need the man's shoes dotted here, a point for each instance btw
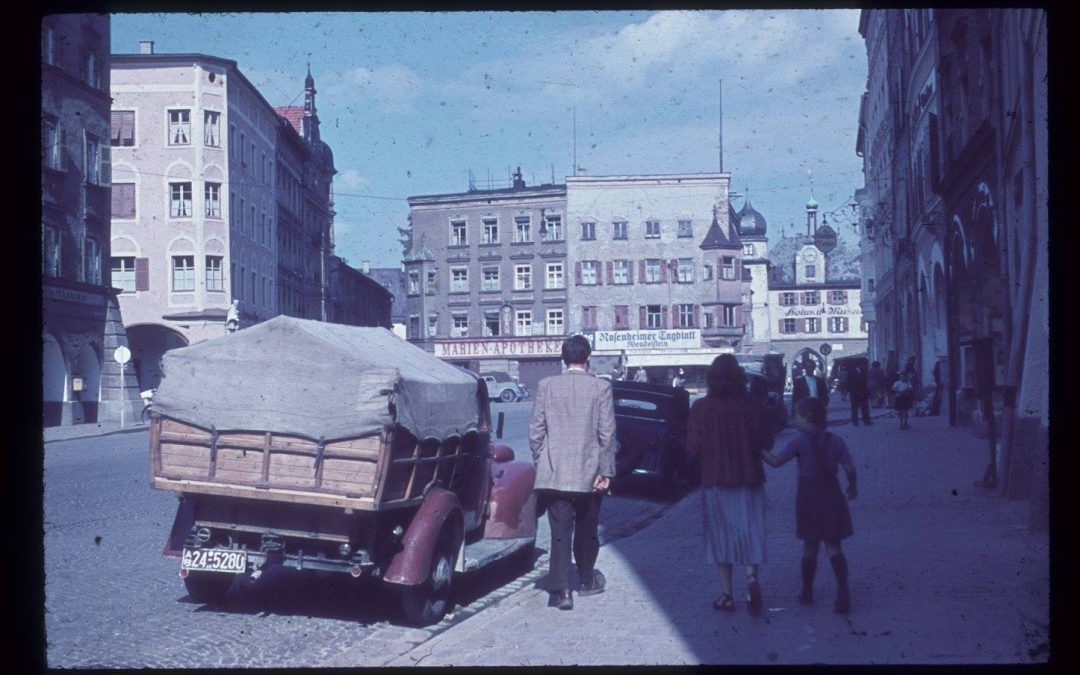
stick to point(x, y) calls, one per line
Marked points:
point(597, 585)
point(562, 600)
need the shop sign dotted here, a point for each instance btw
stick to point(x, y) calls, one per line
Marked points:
point(615, 340)
point(821, 310)
point(499, 348)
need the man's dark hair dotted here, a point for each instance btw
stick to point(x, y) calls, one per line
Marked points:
point(726, 377)
point(575, 349)
point(812, 409)
point(809, 366)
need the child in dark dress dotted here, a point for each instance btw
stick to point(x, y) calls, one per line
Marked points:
point(821, 513)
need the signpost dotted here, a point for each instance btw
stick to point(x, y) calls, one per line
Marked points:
point(122, 355)
point(825, 350)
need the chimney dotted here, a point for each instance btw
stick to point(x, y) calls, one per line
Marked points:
point(519, 182)
point(365, 267)
point(146, 46)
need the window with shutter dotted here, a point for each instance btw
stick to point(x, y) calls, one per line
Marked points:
point(577, 273)
point(643, 317)
point(142, 274)
point(122, 128)
point(610, 272)
point(123, 200)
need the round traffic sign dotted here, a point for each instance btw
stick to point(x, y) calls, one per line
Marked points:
point(121, 354)
point(825, 349)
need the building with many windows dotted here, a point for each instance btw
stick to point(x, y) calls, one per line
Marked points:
point(81, 325)
point(656, 268)
point(487, 278)
point(219, 198)
point(814, 297)
point(954, 143)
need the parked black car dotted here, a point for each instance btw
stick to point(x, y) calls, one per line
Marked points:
point(650, 426)
point(758, 386)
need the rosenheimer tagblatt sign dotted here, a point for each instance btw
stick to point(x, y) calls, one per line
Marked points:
point(629, 340)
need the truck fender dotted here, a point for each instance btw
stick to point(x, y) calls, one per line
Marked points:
point(512, 506)
point(185, 518)
point(412, 564)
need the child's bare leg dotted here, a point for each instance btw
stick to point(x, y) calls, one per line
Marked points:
point(725, 577)
point(840, 569)
point(808, 566)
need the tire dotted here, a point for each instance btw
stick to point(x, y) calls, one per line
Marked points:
point(507, 396)
point(428, 602)
point(208, 587)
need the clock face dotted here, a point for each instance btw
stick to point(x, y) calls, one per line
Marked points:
point(809, 256)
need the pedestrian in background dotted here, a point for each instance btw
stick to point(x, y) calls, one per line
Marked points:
point(912, 371)
point(572, 436)
point(809, 385)
point(859, 391)
point(891, 378)
point(821, 512)
point(726, 431)
point(641, 375)
point(843, 381)
point(904, 396)
point(875, 382)
point(935, 403)
point(679, 379)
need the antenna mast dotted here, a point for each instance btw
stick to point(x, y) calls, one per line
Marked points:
point(720, 121)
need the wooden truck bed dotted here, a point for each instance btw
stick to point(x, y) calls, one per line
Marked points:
point(374, 472)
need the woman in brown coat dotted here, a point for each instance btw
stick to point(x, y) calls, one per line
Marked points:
point(726, 432)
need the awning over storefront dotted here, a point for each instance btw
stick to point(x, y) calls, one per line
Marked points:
point(688, 358)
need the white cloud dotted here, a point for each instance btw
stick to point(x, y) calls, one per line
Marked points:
point(392, 88)
point(351, 180)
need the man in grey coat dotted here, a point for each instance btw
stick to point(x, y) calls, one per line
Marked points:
point(572, 436)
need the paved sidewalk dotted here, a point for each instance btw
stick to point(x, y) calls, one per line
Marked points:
point(941, 572)
point(89, 430)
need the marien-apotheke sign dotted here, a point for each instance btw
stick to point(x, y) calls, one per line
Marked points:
point(629, 340)
point(500, 348)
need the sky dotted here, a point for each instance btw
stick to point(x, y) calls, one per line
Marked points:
point(411, 102)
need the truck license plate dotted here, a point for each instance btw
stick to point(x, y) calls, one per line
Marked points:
point(214, 560)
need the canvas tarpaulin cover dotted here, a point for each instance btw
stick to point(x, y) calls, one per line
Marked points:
point(311, 378)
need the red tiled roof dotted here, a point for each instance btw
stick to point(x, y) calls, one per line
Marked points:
point(293, 114)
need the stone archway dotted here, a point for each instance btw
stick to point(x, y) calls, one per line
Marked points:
point(149, 342)
point(87, 368)
point(54, 381)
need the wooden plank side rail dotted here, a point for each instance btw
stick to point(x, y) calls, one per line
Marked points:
point(213, 452)
point(265, 477)
point(385, 471)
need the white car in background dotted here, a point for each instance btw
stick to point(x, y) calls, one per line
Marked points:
point(502, 387)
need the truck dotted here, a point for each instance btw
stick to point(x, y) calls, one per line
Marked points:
point(342, 449)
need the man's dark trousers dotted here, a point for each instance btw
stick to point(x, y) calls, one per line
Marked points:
point(577, 514)
point(860, 402)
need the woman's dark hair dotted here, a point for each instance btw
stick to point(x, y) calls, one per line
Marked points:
point(575, 349)
point(812, 409)
point(726, 377)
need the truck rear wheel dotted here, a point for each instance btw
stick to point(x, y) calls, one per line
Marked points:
point(208, 587)
point(428, 602)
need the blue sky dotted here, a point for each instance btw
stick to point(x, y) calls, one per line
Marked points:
point(410, 102)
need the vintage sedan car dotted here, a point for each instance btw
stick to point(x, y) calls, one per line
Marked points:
point(650, 426)
point(502, 387)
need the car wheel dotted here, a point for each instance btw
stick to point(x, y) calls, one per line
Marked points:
point(208, 587)
point(508, 395)
point(428, 602)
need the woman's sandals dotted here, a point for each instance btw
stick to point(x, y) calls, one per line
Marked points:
point(725, 603)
